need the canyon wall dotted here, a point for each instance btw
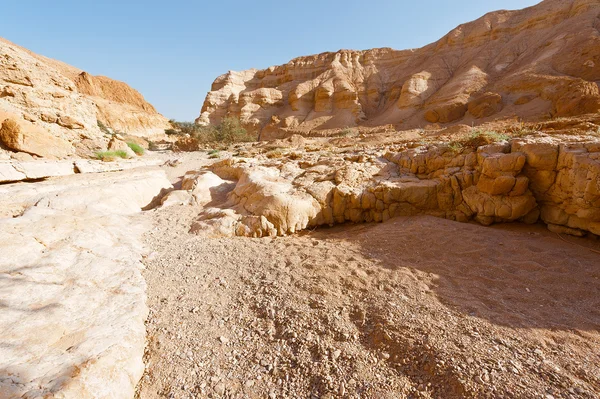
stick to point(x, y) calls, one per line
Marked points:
point(537, 63)
point(53, 104)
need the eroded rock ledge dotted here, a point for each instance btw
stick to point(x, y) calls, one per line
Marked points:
point(14, 171)
point(521, 180)
point(73, 298)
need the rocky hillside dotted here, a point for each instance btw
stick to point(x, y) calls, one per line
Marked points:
point(537, 63)
point(62, 105)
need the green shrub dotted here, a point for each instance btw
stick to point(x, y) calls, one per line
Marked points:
point(138, 149)
point(229, 131)
point(455, 146)
point(108, 156)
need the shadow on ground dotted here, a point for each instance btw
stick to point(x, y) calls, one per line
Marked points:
point(512, 275)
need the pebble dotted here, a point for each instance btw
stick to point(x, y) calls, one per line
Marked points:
point(220, 388)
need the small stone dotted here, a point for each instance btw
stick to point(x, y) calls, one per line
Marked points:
point(223, 340)
point(249, 383)
point(220, 388)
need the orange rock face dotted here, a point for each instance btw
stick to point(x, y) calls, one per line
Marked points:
point(66, 103)
point(536, 63)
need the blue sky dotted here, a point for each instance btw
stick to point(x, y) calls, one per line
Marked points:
point(171, 51)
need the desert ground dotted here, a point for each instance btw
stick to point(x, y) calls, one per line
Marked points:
point(414, 307)
point(381, 223)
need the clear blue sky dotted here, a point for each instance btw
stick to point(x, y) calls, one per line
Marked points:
point(171, 51)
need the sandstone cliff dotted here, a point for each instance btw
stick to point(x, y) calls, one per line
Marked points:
point(50, 99)
point(536, 63)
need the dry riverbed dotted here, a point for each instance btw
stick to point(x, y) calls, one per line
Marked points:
point(416, 307)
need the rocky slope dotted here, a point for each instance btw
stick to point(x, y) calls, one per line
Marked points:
point(56, 105)
point(536, 63)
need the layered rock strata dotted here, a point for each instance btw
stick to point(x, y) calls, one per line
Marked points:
point(53, 105)
point(535, 63)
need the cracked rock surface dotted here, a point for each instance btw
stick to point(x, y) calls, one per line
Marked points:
point(73, 298)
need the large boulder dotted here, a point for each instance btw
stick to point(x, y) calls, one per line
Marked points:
point(446, 113)
point(485, 105)
point(21, 135)
point(119, 145)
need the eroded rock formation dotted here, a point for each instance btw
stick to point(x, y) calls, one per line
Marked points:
point(524, 180)
point(540, 62)
point(47, 98)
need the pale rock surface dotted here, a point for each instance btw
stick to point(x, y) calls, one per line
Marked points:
point(92, 166)
point(176, 197)
point(522, 180)
point(73, 297)
point(8, 173)
point(44, 169)
point(539, 62)
point(13, 170)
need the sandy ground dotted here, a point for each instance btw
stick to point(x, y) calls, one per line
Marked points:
point(413, 308)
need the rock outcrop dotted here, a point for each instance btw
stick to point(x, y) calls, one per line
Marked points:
point(67, 104)
point(524, 179)
point(24, 136)
point(73, 297)
point(535, 63)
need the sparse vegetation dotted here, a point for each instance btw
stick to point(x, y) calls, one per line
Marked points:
point(229, 131)
point(348, 132)
point(276, 153)
point(103, 127)
point(109, 156)
point(455, 146)
point(522, 130)
point(138, 149)
point(483, 137)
